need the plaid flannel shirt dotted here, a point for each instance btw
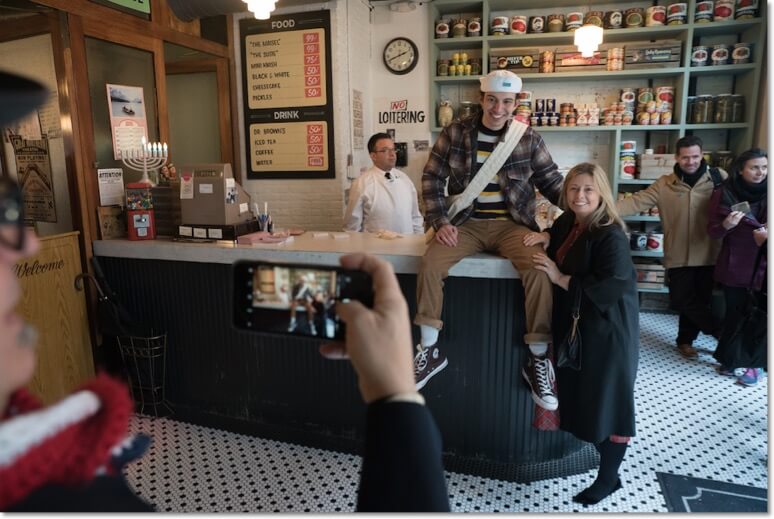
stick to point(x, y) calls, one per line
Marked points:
point(530, 166)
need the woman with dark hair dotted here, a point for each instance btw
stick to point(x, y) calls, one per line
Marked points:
point(588, 257)
point(744, 231)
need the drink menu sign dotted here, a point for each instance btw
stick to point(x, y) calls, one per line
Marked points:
point(287, 102)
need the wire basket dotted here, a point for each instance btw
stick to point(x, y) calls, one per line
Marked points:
point(144, 359)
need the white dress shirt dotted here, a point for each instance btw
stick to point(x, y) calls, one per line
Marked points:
point(376, 203)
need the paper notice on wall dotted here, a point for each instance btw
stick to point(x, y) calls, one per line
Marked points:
point(187, 185)
point(357, 119)
point(50, 118)
point(111, 186)
point(128, 122)
point(33, 168)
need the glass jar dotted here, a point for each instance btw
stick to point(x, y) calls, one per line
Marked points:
point(737, 108)
point(703, 110)
point(689, 109)
point(467, 109)
point(443, 67)
point(723, 107)
point(724, 159)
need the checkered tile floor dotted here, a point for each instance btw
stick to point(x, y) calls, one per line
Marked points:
point(691, 421)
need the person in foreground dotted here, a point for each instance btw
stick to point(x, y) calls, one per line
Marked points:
point(588, 253)
point(743, 234)
point(402, 466)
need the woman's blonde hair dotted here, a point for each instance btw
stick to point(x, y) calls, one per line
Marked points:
point(606, 213)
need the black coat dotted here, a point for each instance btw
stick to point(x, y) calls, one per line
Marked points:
point(598, 400)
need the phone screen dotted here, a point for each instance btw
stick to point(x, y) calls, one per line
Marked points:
point(743, 207)
point(296, 299)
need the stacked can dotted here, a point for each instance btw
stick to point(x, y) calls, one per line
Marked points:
point(704, 11)
point(567, 115)
point(655, 15)
point(545, 113)
point(655, 108)
point(665, 98)
point(724, 10)
point(720, 54)
point(499, 25)
point(524, 107)
point(616, 115)
point(573, 21)
point(547, 61)
point(615, 58)
point(627, 159)
point(746, 9)
point(677, 14)
point(741, 53)
point(519, 24)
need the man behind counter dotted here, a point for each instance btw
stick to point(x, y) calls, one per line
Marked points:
point(383, 198)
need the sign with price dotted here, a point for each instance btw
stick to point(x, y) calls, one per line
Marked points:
point(287, 96)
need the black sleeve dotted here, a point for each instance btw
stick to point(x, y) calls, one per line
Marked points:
point(102, 494)
point(402, 467)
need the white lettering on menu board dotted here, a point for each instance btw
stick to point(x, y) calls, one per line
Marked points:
point(278, 147)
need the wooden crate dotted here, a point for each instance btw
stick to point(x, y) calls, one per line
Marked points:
point(518, 60)
point(661, 54)
point(650, 275)
point(655, 165)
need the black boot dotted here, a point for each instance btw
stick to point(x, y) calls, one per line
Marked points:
point(610, 457)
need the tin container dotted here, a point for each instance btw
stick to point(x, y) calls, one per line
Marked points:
point(644, 95)
point(614, 19)
point(474, 26)
point(628, 97)
point(518, 24)
point(633, 17)
point(629, 146)
point(741, 53)
point(534, 120)
point(537, 24)
point(442, 29)
point(554, 120)
point(566, 108)
point(655, 118)
point(615, 58)
point(746, 9)
point(555, 22)
point(724, 10)
point(594, 18)
point(689, 101)
point(737, 108)
point(699, 56)
point(703, 110)
point(704, 11)
point(655, 15)
point(677, 14)
point(573, 21)
point(723, 108)
point(627, 117)
point(643, 118)
point(524, 97)
point(665, 95)
point(500, 25)
point(547, 62)
point(655, 242)
point(475, 67)
point(720, 54)
point(442, 68)
point(666, 117)
point(650, 107)
point(459, 28)
point(540, 105)
point(550, 104)
point(638, 241)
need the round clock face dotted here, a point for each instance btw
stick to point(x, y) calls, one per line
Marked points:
point(400, 56)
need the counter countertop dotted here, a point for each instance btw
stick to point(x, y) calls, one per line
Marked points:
point(404, 253)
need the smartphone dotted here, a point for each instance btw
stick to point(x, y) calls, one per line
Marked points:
point(741, 206)
point(294, 299)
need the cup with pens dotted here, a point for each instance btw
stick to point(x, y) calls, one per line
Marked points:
point(264, 219)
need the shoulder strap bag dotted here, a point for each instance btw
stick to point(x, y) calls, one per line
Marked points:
point(568, 352)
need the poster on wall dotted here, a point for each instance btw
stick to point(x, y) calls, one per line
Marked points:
point(402, 113)
point(33, 167)
point(128, 123)
point(357, 119)
point(286, 89)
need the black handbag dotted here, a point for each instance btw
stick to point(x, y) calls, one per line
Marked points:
point(568, 353)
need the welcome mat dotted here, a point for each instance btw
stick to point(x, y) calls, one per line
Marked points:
point(687, 494)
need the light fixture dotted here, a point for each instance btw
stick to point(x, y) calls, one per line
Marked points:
point(261, 9)
point(587, 39)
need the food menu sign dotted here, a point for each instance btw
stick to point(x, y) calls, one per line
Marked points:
point(287, 96)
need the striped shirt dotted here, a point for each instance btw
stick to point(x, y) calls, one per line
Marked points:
point(490, 204)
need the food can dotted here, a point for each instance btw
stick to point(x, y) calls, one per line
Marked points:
point(628, 167)
point(655, 118)
point(741, 53)
point(666, 117)
point(638, 240)
point(699, 56)
point(644, 95)
point(737, 108)
point(550, 104)
point(547, 61)
point(555, 22)
point(655, 242)
point(475, 67)
point(628, 97)
point(566, 108)
point(704, 10)
point(629, 146)
point(474, 26)
point(677, 14)
point(443, 67)
point(459, 28)
point(746, 9)
point(537, 24)
point(500, 25)
point(573, 21)
point(720, 54)
point(650, 107)
point(614, 19)
point(615, 58)
point(655, 15)
point(442, 29)
point(723, 108)
point(518, 24)
point(643, 118)
point(627, 116)
point(724, 10)
point(534, 120)
point(633, 17)
point(553, 120)
point(665, 94)
point(594, 18)
point(526, 96)
point(703, 110)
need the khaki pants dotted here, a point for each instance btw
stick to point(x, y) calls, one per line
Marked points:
point(504, 237)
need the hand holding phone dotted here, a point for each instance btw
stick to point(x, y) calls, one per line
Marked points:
point(378, 340)
point(742, 207)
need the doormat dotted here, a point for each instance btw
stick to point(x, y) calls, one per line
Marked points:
point(687, 494)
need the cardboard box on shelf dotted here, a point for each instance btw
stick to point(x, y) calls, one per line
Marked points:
point(654, 166)
point(650, 275)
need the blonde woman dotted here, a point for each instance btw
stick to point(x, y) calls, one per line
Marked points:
point(587, 251)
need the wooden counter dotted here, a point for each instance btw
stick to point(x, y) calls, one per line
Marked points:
point(280, 387)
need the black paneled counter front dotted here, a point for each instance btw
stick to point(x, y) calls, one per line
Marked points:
point(280, 387)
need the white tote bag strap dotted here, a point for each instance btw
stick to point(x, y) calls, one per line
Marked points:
point(488, 171)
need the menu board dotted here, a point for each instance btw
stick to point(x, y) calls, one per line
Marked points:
point(286, 83)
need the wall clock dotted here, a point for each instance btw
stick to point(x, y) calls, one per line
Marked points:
point(400, 55)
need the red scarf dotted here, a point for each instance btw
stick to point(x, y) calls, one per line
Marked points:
point(67, 443)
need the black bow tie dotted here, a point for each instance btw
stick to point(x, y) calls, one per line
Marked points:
point(388, 176)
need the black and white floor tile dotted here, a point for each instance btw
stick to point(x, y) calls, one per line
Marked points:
point(691, 421)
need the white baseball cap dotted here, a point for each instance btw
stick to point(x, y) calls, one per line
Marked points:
point(501, 81)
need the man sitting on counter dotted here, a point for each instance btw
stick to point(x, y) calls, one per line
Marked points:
point(383, 198)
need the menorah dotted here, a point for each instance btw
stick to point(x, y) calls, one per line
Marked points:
point(152, 155)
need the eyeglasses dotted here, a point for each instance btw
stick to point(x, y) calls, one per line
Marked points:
point(12, 230)
point(385, 150)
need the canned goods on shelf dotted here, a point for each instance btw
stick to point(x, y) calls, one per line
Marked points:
point(614, 19)
point(720, 54)
point(573, 21)
point(643, 118)
point(746, 9)
point(547, 63)
point(500, 25)
point(537, 24)
point(704, 11)
point(741, 53)
point(644, 95)
point(677, 14)
point(723, 108)
point(459, 28)
point(443, 67)
point(633, 17)
point(628, 96)
point(655, 15)
point(594, 18)
point(518, 24)
point(629, 146)
point(474, 26)
point(724, 10)
point(555, 22)
point(550, 104)
point(699, 56)
point(666, 117)
point(540, 105)
point(442, 29)
point(703, 110)
point(737, 108)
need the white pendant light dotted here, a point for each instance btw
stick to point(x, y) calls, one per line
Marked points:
point(261, 9)
point(587, 39)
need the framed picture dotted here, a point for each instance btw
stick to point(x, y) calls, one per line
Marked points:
point(112, 221)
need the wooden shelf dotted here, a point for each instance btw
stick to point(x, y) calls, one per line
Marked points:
point(635, 181)
point(664, 290)
point(469, 42)
point(730, 27)
point(566, 38)
point(647, 254)
point(642, 219)
point(711, 126)
point(732, 70)
point(604, 75)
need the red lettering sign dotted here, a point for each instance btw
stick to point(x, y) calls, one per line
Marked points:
point(313, 129)
point(311, 37)
point(315, 149)
point(311, 70)
point(314, 139)
point(311, 48)
point(312, 80)
point(312, 92)
point(315, 161)
point(399, 105)
point(313, 59)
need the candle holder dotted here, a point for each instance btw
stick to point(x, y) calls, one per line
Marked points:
point(152, 155)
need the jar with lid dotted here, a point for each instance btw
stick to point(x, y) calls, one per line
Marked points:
point(467, 109)
point(737, 108)
point(723, 107)
point(689, 108)
point(703, 110)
